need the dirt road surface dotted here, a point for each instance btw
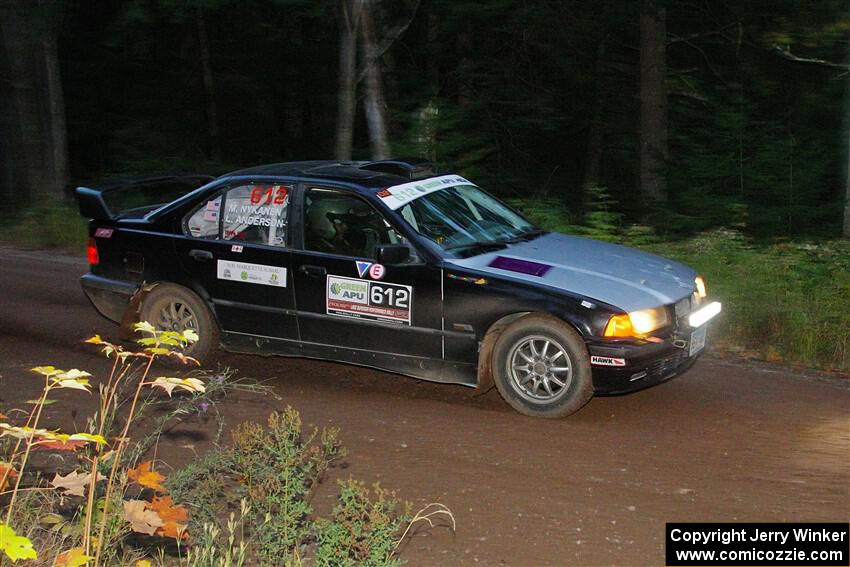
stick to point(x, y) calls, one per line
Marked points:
point(725, 442)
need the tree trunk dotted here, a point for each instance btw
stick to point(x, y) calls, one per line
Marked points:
point(846, 230)
point(653, 103)
point(215, 152)
point(56, 103)
point(349, 21)
point(465, 94)
point(25, 55)
point(595, 139)
point(374, 103)
point(293, 96)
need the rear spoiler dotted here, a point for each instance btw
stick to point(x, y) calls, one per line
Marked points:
point(92, 200)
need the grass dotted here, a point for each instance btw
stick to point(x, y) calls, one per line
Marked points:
point(784, 302)
point(58, 227)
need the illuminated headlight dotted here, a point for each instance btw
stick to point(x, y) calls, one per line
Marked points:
point(704, 315)
point(647, 320)
point(702, 291)
point(636, 323)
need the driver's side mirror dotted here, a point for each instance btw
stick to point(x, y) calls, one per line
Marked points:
point(391, 254)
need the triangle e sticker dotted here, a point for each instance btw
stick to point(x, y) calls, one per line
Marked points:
point(362, 267)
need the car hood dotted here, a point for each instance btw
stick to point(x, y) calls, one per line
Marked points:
point(623, 277)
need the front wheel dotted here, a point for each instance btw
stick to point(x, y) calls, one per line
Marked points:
point(541, 367)
point(170, 307)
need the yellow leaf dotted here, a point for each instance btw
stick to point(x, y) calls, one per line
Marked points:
point(14, 546)
point(47, 370)
point(143, 563)
point(189, 384)
point(71, 383)
point(143, 327)
point(158, 350)
point(98, 439)
point(73, 374)
point(75, 557)
point(144, 476)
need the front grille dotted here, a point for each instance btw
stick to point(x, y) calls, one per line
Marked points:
point(664, 366)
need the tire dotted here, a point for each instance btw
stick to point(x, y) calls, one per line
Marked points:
point(171, 307)
point(541, 367)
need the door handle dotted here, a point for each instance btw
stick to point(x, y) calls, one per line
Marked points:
point(312, 271)
point(201, 255)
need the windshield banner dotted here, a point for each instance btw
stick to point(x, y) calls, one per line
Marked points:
point(397, 196)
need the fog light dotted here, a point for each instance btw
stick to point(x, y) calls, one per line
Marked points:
point(704, 315)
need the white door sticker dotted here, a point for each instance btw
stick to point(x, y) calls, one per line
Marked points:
point(366, 299)
point(251, 273)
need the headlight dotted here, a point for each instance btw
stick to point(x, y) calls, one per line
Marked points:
point(702, 291)
point(647, 320)
point(636, 323)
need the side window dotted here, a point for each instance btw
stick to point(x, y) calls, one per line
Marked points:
point(204, 222)
point(248, 213)
point(340, 223)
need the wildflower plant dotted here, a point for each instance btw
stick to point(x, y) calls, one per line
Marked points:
point(99, 450)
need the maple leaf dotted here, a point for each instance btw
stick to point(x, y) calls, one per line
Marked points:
point(175, 518)
point(7, 472)
point(141, 519)
point(14, 546)
point(74, 482)
point(75, 557)
point(144, 476)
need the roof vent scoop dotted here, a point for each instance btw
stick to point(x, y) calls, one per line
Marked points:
point(413, 168)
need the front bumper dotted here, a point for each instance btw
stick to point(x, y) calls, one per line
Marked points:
point(621, 366)
point(645, 365)
point(110, 297)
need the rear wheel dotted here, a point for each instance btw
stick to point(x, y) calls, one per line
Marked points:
point(170, 307)
point(541, 367)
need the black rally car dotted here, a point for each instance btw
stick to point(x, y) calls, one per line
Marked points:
point(390, 265)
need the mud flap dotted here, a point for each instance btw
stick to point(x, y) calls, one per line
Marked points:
point(133, 312)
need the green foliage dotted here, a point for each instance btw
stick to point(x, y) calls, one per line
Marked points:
point(270, 474)
point(363, 530)
point(783, 302)
point(59, 226)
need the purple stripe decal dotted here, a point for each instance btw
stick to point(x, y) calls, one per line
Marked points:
point(521, 266)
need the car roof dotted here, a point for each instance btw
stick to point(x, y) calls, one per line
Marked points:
point(366, 174)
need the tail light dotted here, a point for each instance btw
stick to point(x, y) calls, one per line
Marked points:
point(91, 253)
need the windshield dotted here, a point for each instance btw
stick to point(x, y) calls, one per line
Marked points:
point(466, 220)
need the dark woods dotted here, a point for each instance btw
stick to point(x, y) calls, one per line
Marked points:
point(681, 115)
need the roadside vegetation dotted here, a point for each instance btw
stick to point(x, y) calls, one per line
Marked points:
point(246, 502)
point(783, 301)
point(58, 227)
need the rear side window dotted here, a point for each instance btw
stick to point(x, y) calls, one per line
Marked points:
point(257, 214)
